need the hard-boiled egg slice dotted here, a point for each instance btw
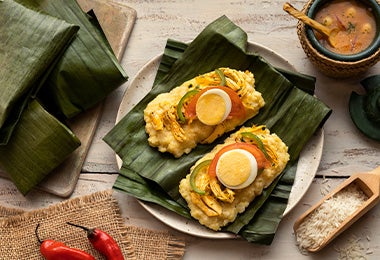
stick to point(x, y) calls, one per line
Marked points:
point(213, 106)
point(236, 169)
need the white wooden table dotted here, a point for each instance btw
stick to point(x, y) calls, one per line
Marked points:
point(345, 150)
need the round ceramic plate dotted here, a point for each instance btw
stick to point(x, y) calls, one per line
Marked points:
point(307, 165)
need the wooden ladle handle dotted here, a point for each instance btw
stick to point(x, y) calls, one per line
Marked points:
point(307, 20)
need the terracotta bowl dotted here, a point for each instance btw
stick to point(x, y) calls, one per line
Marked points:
point(333, 64)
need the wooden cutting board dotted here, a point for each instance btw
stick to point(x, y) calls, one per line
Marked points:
point(117, 22)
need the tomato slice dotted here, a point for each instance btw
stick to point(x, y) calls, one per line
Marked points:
point(237, 109)
point(262, 161)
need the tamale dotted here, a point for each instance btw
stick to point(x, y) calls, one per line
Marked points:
point(38, 145)
point(31, 43)
point(91, 75)
point(88, 70)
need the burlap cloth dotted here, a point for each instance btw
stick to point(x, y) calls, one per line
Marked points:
point(18, 240)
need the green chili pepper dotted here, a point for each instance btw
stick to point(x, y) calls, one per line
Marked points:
point(185, 97)
point(257, 141)
point(194, 175)
point(221, 76)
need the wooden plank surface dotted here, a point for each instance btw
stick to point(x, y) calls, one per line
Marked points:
point(345, 149)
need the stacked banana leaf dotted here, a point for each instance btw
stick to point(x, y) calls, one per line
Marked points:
point(55, 63)
point(291, 111)
point(365, 109)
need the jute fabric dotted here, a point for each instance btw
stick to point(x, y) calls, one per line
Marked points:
point(100, 210)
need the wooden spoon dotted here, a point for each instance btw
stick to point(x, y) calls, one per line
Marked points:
point(369, 183)
point(327, 32)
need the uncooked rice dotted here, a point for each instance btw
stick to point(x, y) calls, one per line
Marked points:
point(328, 216)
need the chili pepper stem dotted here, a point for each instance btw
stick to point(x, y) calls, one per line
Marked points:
point(36, 232)
point(102, 242)
point(90, 231)
point(79, 226)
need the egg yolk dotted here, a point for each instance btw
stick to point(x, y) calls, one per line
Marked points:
point(236, 169)
point(213, 107)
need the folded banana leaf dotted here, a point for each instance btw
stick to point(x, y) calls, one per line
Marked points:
point(290, 112)
point(38, 145)
point(73, 76)
point(365, 109)
point(88, 71)
point(31, 44)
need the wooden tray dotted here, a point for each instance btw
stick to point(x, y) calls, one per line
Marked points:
point(117, 21)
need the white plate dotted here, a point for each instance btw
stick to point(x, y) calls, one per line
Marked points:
point(307, 166)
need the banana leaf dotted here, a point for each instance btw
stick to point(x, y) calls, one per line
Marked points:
point(259, 222)
point(31, 43)
point(174, 49)
point(365, 109)
point(88, 70)
point(38, 144)
point(290, 112)
point(148, 191)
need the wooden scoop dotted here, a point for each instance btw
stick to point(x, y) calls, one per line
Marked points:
point(369, 183)
point(327, 32)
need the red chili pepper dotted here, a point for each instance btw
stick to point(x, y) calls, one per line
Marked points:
point(55, 250)
point(102, 242)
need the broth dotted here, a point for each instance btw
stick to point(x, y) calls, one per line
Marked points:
point(356, 23)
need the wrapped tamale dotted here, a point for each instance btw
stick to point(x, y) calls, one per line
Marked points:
point(38, 145)
point(66, 77)
point(88, 71)
point(31, 43)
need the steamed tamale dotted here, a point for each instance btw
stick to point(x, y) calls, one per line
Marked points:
point(31, 43)
point(38, 145)
point(86, 68)
point(88, 71)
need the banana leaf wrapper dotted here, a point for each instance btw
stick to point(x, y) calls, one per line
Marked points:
point(38, 145)
point(88, 70)
point(31, 44)
point(290, 112)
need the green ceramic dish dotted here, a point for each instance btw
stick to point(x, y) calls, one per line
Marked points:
point(314, 8)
